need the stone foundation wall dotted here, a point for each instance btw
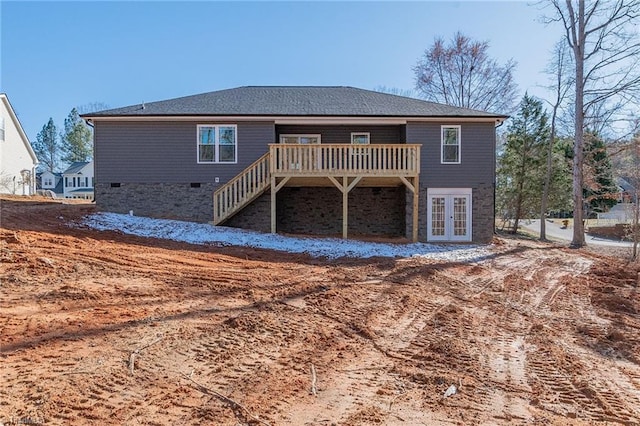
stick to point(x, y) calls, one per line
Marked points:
point(620, 231)
point(483, 222)
point(318, 211)
point(314, 211)
point(165, 201)
point(256, 216)
point(483, 214)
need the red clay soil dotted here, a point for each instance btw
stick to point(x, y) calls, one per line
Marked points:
point(104, 328)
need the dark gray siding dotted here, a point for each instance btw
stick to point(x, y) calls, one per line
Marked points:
point(476, 171)
point(477, 160)
point(342, 134)
point(164, 152)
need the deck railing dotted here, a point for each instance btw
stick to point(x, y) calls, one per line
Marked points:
point(322, 160)
point(241, 190)
point(340, 159)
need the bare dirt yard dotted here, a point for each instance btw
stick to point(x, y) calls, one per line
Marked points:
point(105, 328)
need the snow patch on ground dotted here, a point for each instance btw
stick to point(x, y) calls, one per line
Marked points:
point(332, 248)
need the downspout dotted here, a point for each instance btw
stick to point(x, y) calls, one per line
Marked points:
point(32, 184)
point(93, 157)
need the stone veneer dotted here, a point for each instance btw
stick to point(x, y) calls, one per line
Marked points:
point(483, 222)
point(318, 211)
point(160, 200)
point(372, 211)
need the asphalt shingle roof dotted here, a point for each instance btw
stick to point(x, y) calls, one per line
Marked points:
point(75, 167)
point(294, 101)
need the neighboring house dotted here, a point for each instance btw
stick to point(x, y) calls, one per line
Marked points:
point(622, 213)
point(627, 192)
point(50, 181)
point(78, 180)
point(18, 161)
point(305, 160)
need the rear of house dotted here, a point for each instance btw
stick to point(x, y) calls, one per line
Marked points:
point(304, 160)
point(78, 181)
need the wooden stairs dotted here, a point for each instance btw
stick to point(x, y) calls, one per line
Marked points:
point(234, 195)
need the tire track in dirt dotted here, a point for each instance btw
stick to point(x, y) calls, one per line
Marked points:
point(516, 300)
point(528, 336)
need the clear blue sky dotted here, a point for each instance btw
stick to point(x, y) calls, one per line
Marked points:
point(58, 55)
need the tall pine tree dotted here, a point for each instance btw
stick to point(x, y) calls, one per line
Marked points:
point(520, 170)
point(599, 190)
point(77, 139)
point(47, 146)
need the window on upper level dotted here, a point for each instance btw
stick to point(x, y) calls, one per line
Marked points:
point(217, 143)
point(361, 138)
point(450, 143)
point(301, 139)
point(1, 128)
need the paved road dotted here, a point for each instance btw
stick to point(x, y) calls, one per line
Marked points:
point(555, 232)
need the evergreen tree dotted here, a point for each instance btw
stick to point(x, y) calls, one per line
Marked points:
point(521, 171)
point(47, 146)
point(599, 190)
point(77, 139)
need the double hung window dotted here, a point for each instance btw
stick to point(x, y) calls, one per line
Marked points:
point(217, 143)
point(450, 152)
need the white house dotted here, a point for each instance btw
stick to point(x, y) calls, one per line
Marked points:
point(78, 180)
point(18, 161)
point(50, 181)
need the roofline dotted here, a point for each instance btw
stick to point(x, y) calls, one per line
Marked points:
point(18, 125)
point(300, 119)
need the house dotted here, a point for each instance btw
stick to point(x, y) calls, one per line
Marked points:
point(306, 160)
point(50, 181)
point(78, 181)
point(18, 161)
point(627, 192)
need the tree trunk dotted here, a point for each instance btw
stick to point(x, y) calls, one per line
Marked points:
point(518, 211)
point(636, 226)
point(578, 150)
point(521, 176)
point(547, 178)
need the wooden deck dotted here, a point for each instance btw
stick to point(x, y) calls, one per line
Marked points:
point(344, 166)
point(381, 160)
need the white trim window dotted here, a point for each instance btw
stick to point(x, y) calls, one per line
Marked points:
point(360, 138)
point(450, 144)
point(301, 139)
point(217, 143)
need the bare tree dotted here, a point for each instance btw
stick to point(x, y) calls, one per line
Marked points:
point(606, 52)
point(559, 68)
point(463, 74)
point(629, 169)
point(407, 93)
point(635, 224)
point(92, 107)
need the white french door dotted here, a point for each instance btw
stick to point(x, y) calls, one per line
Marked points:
point(449, 214)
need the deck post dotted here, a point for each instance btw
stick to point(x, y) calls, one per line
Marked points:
point(274, 191)
point(416, 205)
point(345, 206)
